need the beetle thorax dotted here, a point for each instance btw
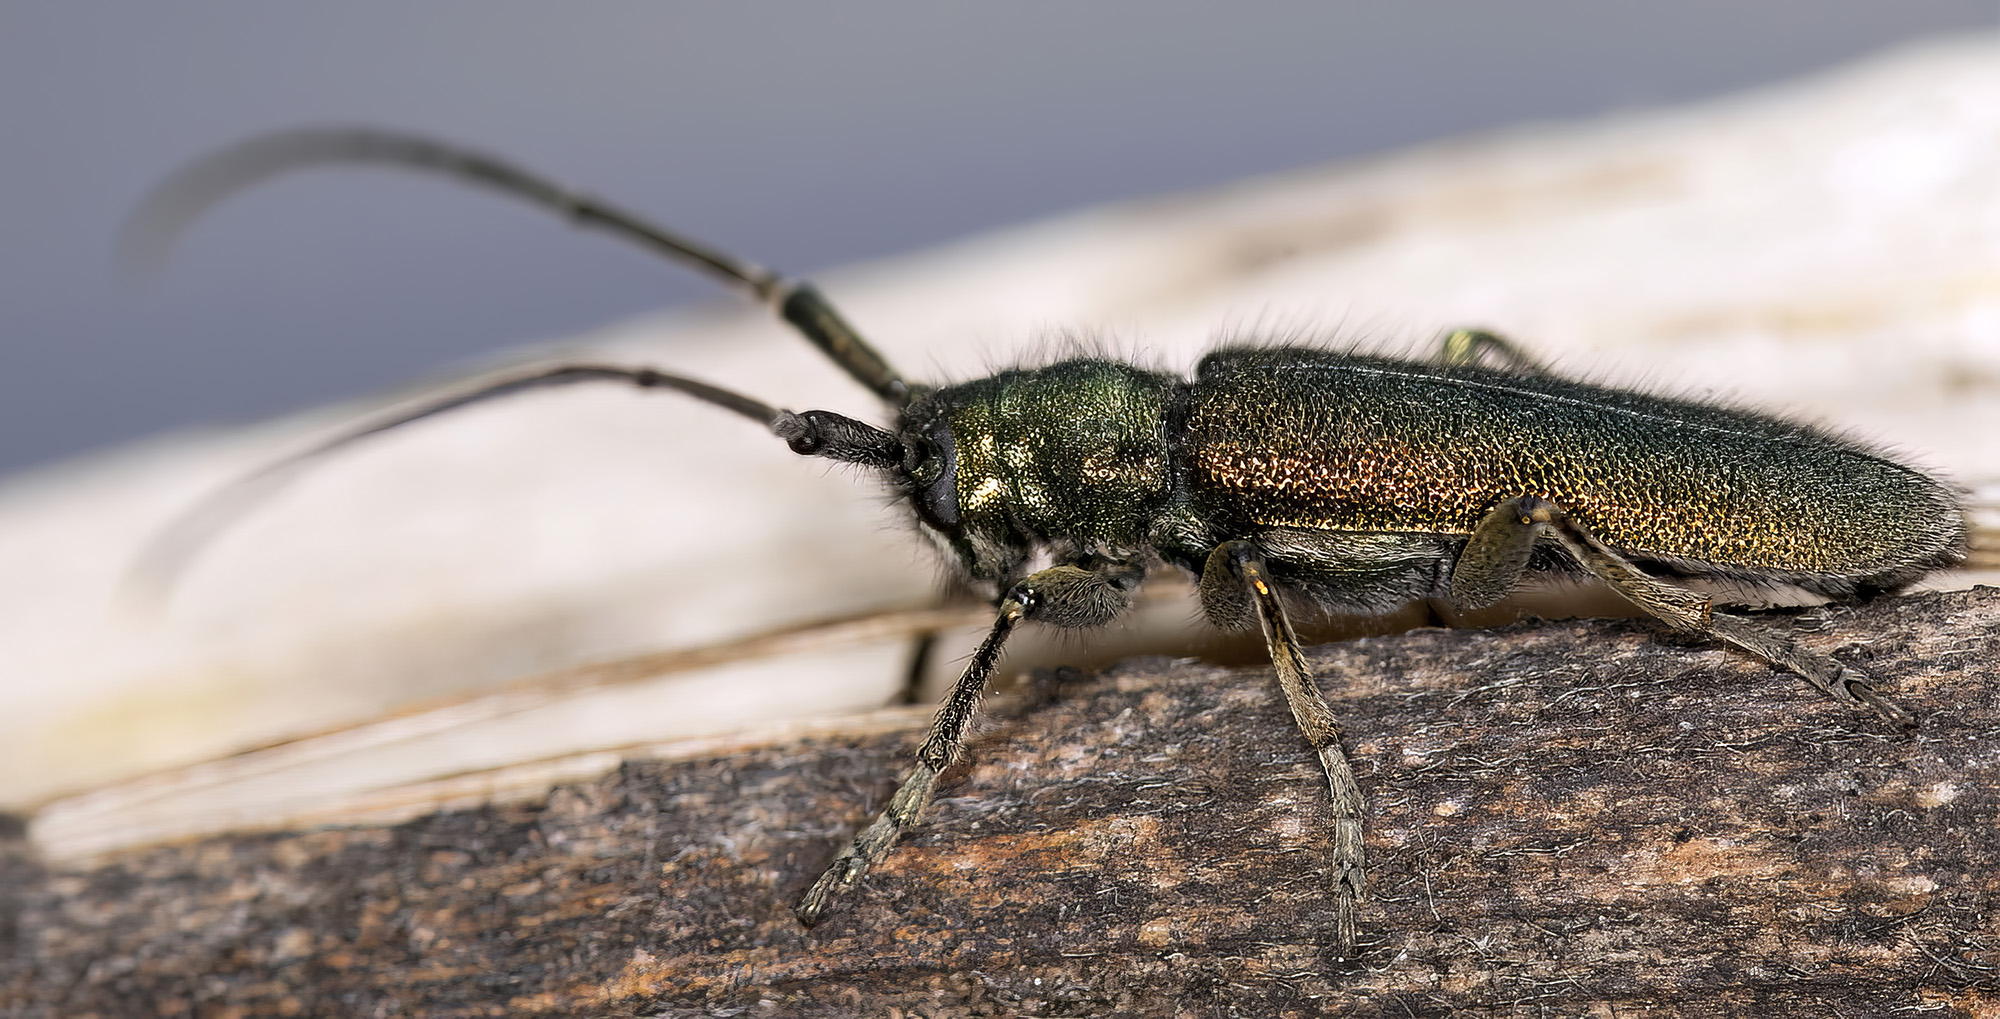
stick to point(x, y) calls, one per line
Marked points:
point(1067, 458)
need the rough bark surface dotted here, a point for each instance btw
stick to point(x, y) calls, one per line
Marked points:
point(1578, 818)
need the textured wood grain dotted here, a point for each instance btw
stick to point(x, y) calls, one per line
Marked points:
point(1576, 818)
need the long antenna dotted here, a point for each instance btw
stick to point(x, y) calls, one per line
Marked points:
point(165, 556)
point(820, 433)
point(183, 197)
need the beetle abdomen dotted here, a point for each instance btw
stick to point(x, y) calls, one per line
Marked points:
point(1286, 437)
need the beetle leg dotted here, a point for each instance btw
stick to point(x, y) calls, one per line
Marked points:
point(1844, 684)
point(1243, 561)
point(1472, 346)
point(918, 668)
point(1066, 595)
point(1496, 554)
point(1225, 595)
point(940, 749)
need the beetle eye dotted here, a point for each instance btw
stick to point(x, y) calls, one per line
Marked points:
point(934, 467)
point(923, 463)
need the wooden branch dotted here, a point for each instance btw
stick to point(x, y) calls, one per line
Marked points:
point(1582, 816)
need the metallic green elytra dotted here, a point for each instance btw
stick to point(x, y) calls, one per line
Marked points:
point(1281, 477)
point(1316, 441)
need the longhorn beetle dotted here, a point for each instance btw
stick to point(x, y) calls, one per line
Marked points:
point(1275, 474)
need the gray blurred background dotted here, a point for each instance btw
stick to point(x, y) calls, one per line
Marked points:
point(800, 135)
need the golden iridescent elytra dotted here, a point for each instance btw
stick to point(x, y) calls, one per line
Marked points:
point(1308, 439)
point(1282, 477)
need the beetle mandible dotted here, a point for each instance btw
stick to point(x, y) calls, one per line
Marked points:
point(1338, 481)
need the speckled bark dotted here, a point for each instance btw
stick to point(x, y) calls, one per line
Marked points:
point(1565, 819)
